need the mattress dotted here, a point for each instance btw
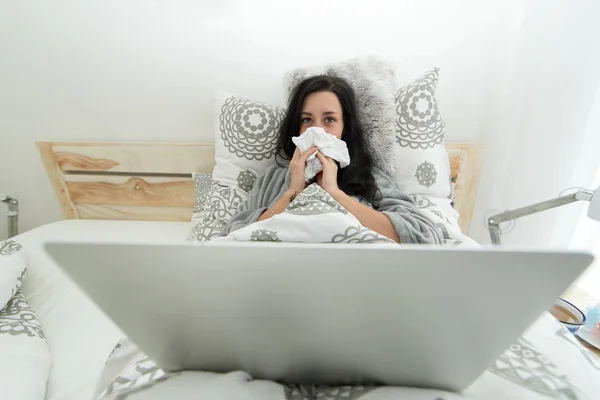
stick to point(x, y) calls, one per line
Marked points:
point(80, 336)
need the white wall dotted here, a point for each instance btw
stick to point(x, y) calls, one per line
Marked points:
point(144, 71)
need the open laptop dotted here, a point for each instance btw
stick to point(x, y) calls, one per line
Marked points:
point(321, 314)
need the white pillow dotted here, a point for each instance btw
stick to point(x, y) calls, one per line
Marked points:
point(24, 353)
point(246, 134)
point(423, 165)
point(214, 210)
point(12, 270)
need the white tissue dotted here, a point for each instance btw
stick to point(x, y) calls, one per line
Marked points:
point(328, 145)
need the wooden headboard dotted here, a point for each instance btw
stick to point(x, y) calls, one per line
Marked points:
point(152, 181)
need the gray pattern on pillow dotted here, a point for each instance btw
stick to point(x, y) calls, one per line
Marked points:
point(249, 128)
point(245, 133)
point(419, 124)
point(423, 166)
point(219, 206)
point(17, 318)
point(9, 247)
point(13, 267)
point(202, 185)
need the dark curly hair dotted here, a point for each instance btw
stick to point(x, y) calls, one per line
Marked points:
point(357, 178)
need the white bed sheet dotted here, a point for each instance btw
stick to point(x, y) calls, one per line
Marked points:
point(80, 336)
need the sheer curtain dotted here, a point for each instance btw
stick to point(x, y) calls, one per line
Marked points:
point(544, 134)
point(587, 237)
point(573, 223)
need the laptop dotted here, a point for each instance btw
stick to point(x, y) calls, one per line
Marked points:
point(330, 314)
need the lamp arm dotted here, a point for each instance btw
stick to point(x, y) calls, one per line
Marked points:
point(495, 220)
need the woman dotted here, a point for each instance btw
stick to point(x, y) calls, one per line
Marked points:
point(365, 191)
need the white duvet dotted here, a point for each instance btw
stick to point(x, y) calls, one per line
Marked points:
point(315, 217)
point(546, 362)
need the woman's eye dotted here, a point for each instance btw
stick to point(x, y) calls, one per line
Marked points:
point(329, 120)
point(306, 120)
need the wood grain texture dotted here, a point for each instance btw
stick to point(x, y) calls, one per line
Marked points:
point(78, 162)
point(122, 178)
point(133, 191)
point(455, 156)
point(465, 159)
point(137, 213)
point(163, 158)
point(151, 182)
point(56, 180)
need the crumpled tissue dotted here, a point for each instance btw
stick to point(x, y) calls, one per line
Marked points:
point(328, 145)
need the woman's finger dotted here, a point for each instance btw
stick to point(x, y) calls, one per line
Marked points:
point(325, 158)
point(322, 158)
point(308, 153)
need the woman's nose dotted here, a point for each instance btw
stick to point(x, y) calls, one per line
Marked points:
point(319, 124)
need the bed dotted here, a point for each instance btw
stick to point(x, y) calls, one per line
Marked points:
point(144, 192)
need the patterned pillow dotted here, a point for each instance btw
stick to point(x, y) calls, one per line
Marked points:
point(441, 208)
point(215, 209)
point(245, 139)
point(24, 352)
point(423, 166)
point(373, 81)
point(12, 270)
point(202, 185)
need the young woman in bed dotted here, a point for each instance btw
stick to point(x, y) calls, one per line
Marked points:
point(365, 191)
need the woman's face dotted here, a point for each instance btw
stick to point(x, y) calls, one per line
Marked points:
point(323, 110)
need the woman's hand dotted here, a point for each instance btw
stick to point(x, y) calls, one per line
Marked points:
point(297, 166)
point(327, 179)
